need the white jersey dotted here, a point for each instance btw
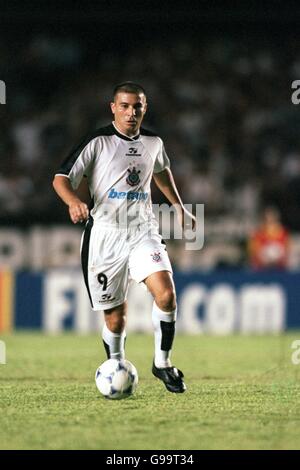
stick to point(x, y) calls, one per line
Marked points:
point(119, 171)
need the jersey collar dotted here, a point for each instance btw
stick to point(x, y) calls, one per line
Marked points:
point(124, 136)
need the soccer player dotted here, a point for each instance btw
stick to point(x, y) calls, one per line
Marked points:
point(119, 162)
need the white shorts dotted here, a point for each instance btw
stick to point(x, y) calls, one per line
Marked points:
point(112, 256)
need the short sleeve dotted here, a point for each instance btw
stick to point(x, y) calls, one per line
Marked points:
point(78, 163)
point(162, 160)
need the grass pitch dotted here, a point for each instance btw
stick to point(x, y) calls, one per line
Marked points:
point(243, 393)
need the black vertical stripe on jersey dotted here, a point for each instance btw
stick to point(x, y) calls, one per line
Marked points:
point(85, 255)
point(91, 204)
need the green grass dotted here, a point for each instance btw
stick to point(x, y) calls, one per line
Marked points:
point(243, 393)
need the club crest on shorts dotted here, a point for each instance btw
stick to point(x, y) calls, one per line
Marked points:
point(133, 178)
point(156, 256)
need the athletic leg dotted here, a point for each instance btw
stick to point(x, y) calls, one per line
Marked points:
point(161, 286)
point(113, 333)
point(149, 263)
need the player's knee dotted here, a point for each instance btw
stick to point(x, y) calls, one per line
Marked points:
point(166, 300)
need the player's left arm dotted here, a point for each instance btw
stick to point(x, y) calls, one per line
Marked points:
point(164, 180)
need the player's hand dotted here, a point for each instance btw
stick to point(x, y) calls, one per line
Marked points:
point(79, 212)
point(186, 219)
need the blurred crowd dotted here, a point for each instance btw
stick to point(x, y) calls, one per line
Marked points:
point(223, 107)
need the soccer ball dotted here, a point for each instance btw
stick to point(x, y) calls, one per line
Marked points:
point(116, 379)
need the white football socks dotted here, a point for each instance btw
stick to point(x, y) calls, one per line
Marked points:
point(114, 343)
point(164, 331)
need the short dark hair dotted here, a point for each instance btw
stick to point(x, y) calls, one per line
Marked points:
point(129, 87)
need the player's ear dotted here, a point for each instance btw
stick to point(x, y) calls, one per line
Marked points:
point(113, 107)
point(145, 108)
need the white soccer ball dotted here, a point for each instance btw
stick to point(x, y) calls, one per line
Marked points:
point(116, 379)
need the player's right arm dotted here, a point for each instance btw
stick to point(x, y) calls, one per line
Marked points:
point(78, 210)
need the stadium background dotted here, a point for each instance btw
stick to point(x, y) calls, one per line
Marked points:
point(219, 92)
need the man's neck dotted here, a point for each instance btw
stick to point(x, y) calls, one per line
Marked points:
point(130, 135)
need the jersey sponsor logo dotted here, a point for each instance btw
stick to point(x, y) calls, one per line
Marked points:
point(133, 151)
point(131, 195)
point(133, 178)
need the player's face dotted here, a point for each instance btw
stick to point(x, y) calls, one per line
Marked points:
point(129, 110)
